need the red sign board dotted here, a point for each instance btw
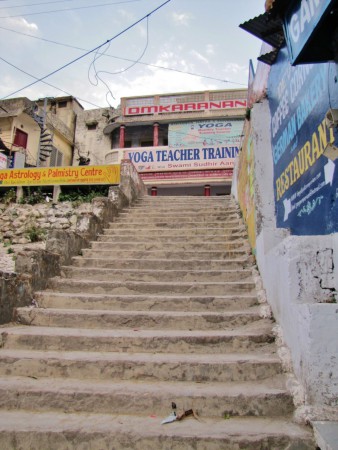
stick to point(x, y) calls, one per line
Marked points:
point(185, 107)
point(187, 175)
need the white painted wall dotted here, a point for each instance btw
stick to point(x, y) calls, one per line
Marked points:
point(298, 273)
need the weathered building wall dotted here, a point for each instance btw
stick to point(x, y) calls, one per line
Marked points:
point(243, 185)
point(90, 141)
point(16, 117)
point(299, 271)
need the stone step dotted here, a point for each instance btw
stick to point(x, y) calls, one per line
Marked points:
point(160, 320)
point(172, 210)
point(195, 368)
point(106, 274)
point(178, 218)
point(41, 431)
point(50, 299)
point(144, 399)
point(162, 264)
point(255, 337)
point(115, 246)
point(133, 287)
point(171, 233)
point(184, 199)
point(163, 224)
point(128, 236)
point(166, 254)
point(184, 202)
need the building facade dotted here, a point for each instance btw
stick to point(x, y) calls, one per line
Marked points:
point(180, 142)
point(287, 185)
point(38, 133)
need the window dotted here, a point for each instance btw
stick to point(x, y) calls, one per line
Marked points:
point(147, 143)
point(91, 126)
point(56, 158)
point(20, 139)
point(62, 104)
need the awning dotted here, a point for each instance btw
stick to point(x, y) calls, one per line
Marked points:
point(111, 127)
point(269, 58)
point(266, 28)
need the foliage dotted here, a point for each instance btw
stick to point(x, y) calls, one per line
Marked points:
point(10, 250)
point(9, 196)
point(82, 195)
point(33, 197)
point(35, 234)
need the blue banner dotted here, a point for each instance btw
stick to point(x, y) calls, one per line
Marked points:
point(300, 22)
point(304, 146)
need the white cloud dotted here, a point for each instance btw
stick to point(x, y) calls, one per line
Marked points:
point(210, 49)
point(126, 14)
point(181, 19)
point(22, 24)
point(234, 68)
point(199, 56)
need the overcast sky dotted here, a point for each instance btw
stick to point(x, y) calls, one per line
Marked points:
point(201, 37)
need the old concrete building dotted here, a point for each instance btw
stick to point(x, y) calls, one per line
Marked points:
point(180, 142)
point(60, 116)
point(91, 144)
point(19, 132)
point(38, 133)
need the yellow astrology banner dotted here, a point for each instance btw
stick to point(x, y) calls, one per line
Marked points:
point(47, 176)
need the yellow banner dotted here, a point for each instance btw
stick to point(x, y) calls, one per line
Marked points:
point(48, 176)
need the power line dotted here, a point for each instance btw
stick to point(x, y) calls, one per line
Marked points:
point(69, 9)
point(48, 84)
point(124, 59)
point(90, 51)
point(34, 4)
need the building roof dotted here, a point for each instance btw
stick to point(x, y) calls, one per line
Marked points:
point(266, 28)
point(60, 99)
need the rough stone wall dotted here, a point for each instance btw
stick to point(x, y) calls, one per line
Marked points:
point(69, 231)
point(16, 221)
point(15, 291)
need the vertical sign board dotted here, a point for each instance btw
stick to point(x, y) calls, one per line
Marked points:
point(300, 23)
point(3, 161)
point(305, 179)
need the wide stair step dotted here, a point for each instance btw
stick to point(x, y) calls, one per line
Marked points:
point(139, 302)
point(138, 398)
point(197, 368)
point(111, 262)
point(43, 431)
point(254, 336)
point(126, 319)
point(151, 287)
point(162, 308)
point(106, 274)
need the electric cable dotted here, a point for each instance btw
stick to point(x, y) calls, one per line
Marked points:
point(98, 73)
point(48, 84)
point(90, 51)
point(34, 4)
point(69, 9)
point(97, 78)
point(125, 59)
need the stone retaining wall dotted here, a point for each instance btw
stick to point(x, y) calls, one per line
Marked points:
point(68, 229)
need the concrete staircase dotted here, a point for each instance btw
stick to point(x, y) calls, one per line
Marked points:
point(161, 309)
